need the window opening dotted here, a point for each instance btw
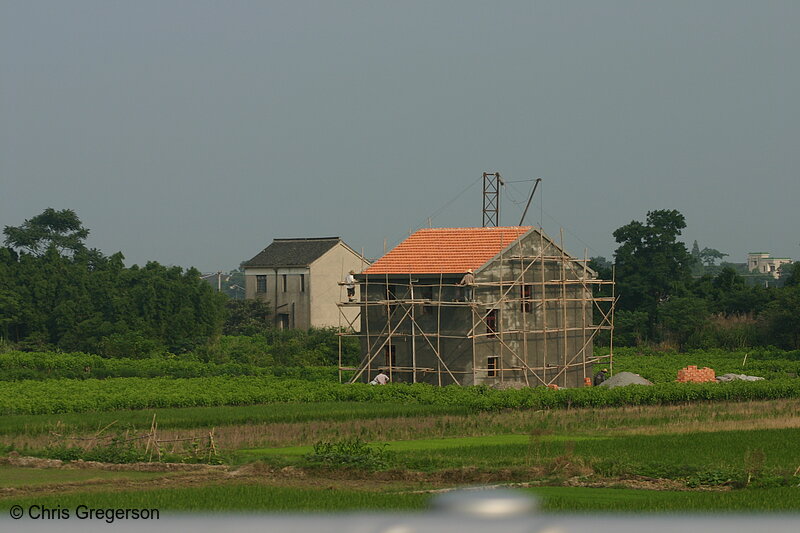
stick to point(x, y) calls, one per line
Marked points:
point(492, 364)
point(283, 320)
point(491, 323)
point(526, 292)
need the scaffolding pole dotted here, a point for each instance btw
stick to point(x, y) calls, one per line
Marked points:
point(518, 342)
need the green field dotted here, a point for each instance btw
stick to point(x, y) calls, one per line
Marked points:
point(234, 497)
point(191, 417)
point(31, 477)
point(570, 499)
point(77, 396)
point(282, 444)
point(723, 454)
point(253, 497)
point(662, 367)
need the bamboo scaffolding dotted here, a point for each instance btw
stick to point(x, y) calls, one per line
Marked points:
point(518, 341)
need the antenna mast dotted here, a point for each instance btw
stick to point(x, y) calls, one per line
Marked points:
point(491, 199)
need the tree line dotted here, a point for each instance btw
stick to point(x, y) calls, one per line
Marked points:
point(672, 297)
point(55, 292)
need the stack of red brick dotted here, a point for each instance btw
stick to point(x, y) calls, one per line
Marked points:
point(696, 375)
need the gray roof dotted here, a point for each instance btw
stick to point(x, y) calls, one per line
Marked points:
point(292, 252)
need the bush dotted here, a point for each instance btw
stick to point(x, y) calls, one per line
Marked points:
point(131, 345)
point(348, 452)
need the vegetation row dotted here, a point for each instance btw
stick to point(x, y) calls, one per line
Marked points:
point(257, 356)
point(63, 395)
point(16, 366)
point(660, 367)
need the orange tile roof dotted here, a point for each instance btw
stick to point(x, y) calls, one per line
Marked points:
point(446, 250)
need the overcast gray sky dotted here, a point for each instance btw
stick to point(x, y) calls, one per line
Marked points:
point(194, 132)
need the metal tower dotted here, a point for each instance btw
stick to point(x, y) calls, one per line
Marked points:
point(491, 199)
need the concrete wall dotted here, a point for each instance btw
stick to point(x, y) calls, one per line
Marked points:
point(326, 273)
point(290, 307)
point(564, 306)
point(517, 322)
point(453, 320)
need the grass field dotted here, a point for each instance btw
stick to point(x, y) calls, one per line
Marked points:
point(234, 497)
point(570, 499)
point(387, 455)
point(31, 477)
point(614, 451)
point(191, 417)
point(256, 497)
point(721, 457)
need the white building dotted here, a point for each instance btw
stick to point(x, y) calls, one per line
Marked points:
point(301, 279)
point(762, 263)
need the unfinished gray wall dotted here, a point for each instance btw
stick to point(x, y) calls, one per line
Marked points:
point(293, 302)
point(519, 341)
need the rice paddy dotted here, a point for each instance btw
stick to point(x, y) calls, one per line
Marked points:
point(707, 456)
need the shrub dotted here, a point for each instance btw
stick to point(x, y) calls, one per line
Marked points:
point(348, 452)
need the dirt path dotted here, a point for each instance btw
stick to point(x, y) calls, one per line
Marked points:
point(400, 481)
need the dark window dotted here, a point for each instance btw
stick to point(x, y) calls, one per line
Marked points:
point(285, 282)
point(391, 294)
point(283, 321)
point(261, 283)
point(302, 283)
point(526, 291)
point(425, 293)
point(491, 323)
point(492, 364)
point(391, 355)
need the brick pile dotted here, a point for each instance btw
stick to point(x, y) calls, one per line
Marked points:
point(692, 374)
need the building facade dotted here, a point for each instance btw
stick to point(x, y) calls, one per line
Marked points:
point(763, 263)
point(302, 280)
point(527, 320)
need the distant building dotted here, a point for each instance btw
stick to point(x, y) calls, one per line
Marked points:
point(762, 263)
point(526, 318)
point(300, 278)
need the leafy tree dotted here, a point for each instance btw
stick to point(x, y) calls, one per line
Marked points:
point(791, 274)
point(683, 317)
point(85, 301)
point(652, 264)
point(630, 327)
point(728, 280)
point(696, 252)
point(602, 266)
point(697, 260)
point(779, 322)
point(709, 256)
point(246, 317)
point(61, 230)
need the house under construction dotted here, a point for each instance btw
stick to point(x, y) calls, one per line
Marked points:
point(529, 318)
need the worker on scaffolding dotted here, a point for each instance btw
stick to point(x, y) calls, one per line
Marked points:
point(350, 283)
point(468, 284)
